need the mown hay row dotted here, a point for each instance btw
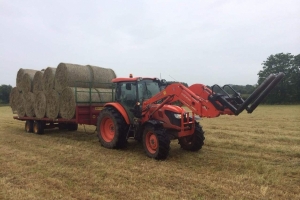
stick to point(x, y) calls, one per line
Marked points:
point(52, 101)
point(73, 75)
point(28, 103)
point(68, 98)
point(48, 79)
point(20, 74)
point(40, 105)
point(37, 82)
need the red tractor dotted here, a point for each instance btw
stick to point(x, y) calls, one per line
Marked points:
point(144, 109)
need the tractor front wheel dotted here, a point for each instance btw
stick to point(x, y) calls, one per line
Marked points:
point(193, 142)
point(112, 129)
point(156, 142)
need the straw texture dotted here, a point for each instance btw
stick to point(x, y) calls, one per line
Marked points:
point(72, 75)
point(48, 79)
point(15, 99)
point(52, 101)
point(37, 82)
point(67, 100)
point(29, 104)
point(40, 105)
point(20, 75)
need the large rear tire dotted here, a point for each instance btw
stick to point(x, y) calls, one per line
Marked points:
point(193, 142)
point(112, 129)
point(156, 142)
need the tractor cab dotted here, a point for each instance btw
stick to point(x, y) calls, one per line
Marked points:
point(134, 91)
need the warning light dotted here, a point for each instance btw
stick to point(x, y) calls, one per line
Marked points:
point(130, 75)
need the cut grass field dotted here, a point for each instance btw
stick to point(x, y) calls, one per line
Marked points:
point(253, 156)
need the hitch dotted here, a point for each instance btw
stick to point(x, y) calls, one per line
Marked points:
point(235, 102)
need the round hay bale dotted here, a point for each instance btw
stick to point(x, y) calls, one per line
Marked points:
point(20, 75)
point(72, 75)
point(29, 104)
point(15, 99)
point(48, 79)
point(26, 83)
point(67, 99)
point(102, 77)
point(37, 82)
point(52, 101)
point(40, 105)
point(21, 108)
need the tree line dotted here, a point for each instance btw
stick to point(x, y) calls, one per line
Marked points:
point(286, 92)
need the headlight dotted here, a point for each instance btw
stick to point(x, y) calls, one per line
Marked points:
point(177, 116)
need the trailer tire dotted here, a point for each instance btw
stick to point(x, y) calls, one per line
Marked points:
point(156, 142)
point(72, 127)
point(193, 142)
point(38, 127)
point(29, 126)
point(112, 129)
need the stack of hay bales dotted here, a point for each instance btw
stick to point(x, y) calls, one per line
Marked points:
point(54, 92)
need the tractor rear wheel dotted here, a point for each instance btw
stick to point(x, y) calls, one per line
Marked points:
point(38, 127)
point(193, 142)
point(156, 142)
point(111, 129)
point(29, 126)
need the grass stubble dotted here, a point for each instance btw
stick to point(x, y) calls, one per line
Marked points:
point(253, 156)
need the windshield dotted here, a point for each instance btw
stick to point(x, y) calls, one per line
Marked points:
point(147, 89)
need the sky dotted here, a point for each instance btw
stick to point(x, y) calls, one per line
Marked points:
point(208, 42)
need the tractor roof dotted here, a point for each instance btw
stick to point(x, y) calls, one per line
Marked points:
point(117, 80)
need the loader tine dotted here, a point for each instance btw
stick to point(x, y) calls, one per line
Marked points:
point(265, 92)
point(256, 93)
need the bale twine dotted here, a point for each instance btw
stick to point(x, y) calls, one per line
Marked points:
point(52, 101)
point(29, 104)
point(37, 82)
point(48, 79)
point(67, 100)
point(72, 75)
point(20, 75)
point(14, 99)
point(40, 105)
point(26, 83)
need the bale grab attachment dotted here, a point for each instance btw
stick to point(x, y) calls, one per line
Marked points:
point(235, 103)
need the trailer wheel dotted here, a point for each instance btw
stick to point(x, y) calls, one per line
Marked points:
point(193, 142)
point(111, 129)
point(156, 142)
point(29, 126)
point(38, 127)
point(72, 127)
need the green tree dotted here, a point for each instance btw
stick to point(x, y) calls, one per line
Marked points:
point(287, 91)
point(4, 93)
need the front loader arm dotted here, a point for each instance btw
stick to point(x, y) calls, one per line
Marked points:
point(206, 102)
point(199, 104)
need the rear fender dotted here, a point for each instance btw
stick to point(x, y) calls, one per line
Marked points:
point(121, 110)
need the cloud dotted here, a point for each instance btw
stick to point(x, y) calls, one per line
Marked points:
point(192, 41)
